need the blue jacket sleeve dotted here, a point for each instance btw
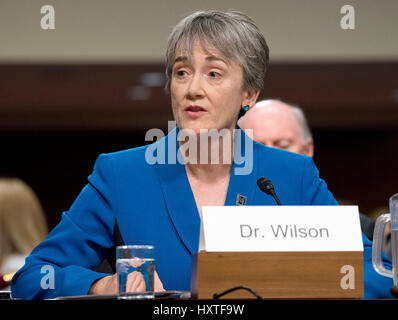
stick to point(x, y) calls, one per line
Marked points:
point(62, 265)
point(314, 189)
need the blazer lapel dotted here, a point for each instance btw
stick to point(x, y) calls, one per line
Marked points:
point(178, 195)
point(177, 191)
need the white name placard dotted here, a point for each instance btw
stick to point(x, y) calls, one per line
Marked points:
point(281, 228)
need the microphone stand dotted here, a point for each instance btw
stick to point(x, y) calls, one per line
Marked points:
point(267, 187)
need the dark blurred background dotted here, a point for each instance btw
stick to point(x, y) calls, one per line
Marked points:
point(95, 85)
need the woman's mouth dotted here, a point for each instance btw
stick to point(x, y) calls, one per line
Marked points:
point(195, 111)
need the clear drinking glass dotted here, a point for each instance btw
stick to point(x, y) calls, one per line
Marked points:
point(135, 267)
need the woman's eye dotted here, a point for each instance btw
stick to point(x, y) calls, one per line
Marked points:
point(181, 73)
point(214, 74)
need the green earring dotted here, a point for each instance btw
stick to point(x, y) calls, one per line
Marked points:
point(246, 108)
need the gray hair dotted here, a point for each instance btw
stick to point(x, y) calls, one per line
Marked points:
point(298, 113)
point(233, 33)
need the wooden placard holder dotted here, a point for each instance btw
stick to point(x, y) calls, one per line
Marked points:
point(278, 275)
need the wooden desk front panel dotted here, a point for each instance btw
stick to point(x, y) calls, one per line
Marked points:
point(279, 275)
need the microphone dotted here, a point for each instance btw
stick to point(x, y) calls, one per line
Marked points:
point(266, 186)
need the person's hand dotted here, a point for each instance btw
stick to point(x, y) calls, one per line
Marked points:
point(135, 283)
point(105, 285)
point(158, 285)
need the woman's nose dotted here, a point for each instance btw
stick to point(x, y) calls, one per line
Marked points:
point(195, 87)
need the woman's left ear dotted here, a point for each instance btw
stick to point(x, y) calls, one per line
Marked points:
point(250, 97)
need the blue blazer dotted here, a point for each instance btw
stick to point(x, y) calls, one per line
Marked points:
point(154, 204)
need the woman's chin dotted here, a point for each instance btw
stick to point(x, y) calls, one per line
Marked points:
point(195, 126)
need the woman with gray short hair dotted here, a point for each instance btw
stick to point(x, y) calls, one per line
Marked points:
point(235, 36)
point(215, 67)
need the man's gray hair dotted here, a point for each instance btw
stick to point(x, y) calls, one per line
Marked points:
point(233, 33)
point(298, 113)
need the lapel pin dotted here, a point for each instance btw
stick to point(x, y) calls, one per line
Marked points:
point(241, 200)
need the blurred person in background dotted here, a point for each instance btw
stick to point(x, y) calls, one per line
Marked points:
point(22, 226)
point(279, 125)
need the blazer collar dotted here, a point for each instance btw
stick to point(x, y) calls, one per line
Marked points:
point(178, 194)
